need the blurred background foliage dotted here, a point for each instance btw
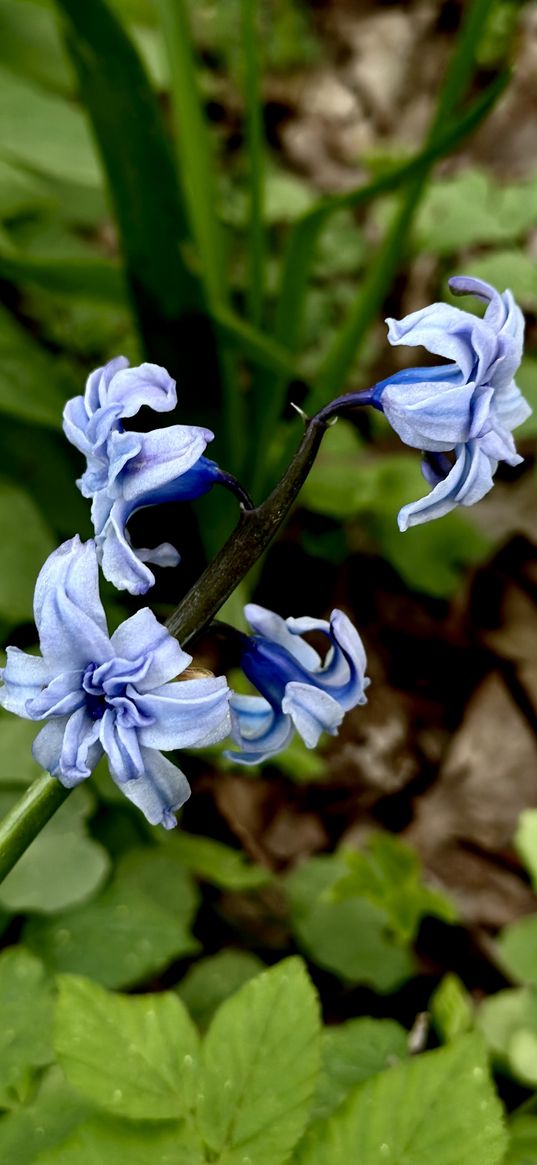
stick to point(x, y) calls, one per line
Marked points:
point(242, 191)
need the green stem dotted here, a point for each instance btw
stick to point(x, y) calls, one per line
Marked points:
point(27, 818)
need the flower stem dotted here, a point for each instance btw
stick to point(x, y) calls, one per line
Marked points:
point(27, 818)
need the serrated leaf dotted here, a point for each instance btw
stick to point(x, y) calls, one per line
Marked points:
point(50, 1117)
point(134, 928)
point(517, 949)
point(217, 863)
point(451, 1008)
point(212, 980)
point(26, 1009)
point(471, 208)
point(513, 269)
point(259, 1068)
point(439, 1107)
point(351, 938)
point(522, 1141)
point(63, 865)
point(103, 1139)
point(44, 132)
point(388, 874)
point(125, 1052)
point(351, 1053)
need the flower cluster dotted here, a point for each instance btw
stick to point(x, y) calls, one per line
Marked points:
point(129, 696)
point(468, 407)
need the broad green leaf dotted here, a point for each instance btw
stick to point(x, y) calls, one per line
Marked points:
point(350, 939)
point(31, 45)
point(517, 949)
point(508, 1021)
point(217, 863)
point(134, 928)
point(25, 1016)
point(62, 867)
point(451, 1008)
point(300, 763)
point(433, 557)
point(20, 191)
point(26, 543)
point(526, 842)
point(351, 1053)
point(17, 765)
point(512, 269)
point(212, 980)
point(29, 1131)
point(49, 467)
point(440, 1107)
point(150, 214)
point(86, 278)
point(388, 874)
point(133, 1055)
point(470, 209)
point(33, 386)
point(45, 133)
point(522, 1141)
point(115, 1142)
point(334, 485)
point(259, 1067)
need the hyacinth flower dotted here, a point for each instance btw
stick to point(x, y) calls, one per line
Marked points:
point(460, 414)
point(299, 691)
point(127, 471)
point(114, 695)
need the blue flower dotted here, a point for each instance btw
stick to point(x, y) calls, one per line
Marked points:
point(127, 470)
point(467, 407)
point(114, 695)
point(299, 692)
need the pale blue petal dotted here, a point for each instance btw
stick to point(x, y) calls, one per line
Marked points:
point(61, 697)
point(147, 384)
point(68, 611)
point(142, 634)
point(468, 481)
point(432, 416)
point(273, 627)
point(119, 561)
point(259, 731)
point(312, 711)
point(122, 748)
point(23, 677)
point(186, 714)
point(165, 455)
point(160, 791)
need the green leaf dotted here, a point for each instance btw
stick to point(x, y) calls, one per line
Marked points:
point(212, 980)
point(62, 867)
point(25, 1017)
point(470, 209)
point(259, 1067)
point(353, 1052)
point(28, 1132)
point(134, 928)
point(451, 1008)
point(86, 278)
point(389, 875)
point(438, 1107)
point(508, 1021)
point(133, 1055)
point(20, 192)
point(517, 950)
point(31, 45)
point(350, 939)
point(26, 543)
point(17, 765)
point(45, 133)
point(150, 214)
point(216, 863)
point(117, 1142)
point(522, 1141)
point(526, 842)
point(33, 386)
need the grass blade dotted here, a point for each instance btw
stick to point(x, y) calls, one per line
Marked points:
point(254, 142)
